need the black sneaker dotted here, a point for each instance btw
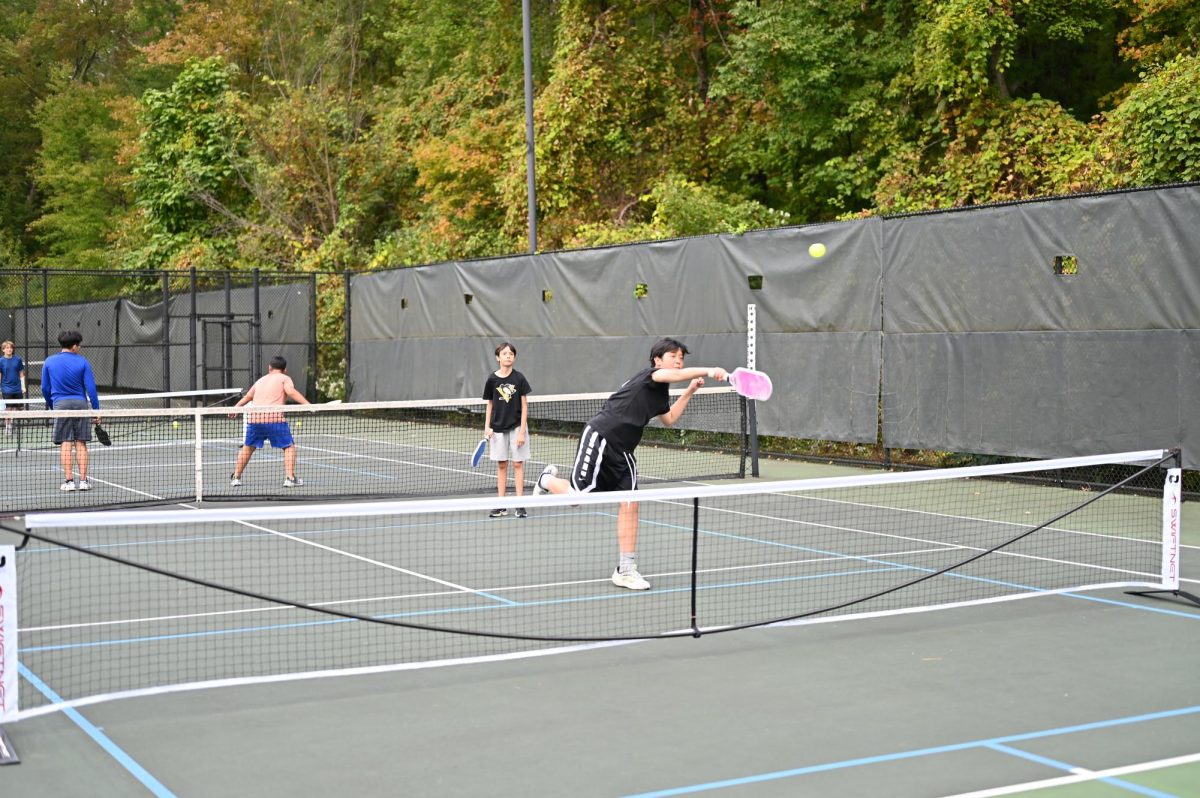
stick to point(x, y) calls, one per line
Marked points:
point(497, 513)
point(521, 513)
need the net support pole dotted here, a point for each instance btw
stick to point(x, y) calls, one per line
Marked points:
point(1171, 518)
point(695, 561)
point(752, 363)
point(198, 454)
point(8, 754)
point(1171, 532)
point(8, 647)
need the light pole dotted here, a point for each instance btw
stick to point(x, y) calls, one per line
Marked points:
point(529, 166)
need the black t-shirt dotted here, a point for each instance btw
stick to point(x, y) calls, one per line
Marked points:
point(628, 411)
point(505, 395)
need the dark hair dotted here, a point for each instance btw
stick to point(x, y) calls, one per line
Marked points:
point(506, 345)
point(278, 363)
point(69, 338)
point(664, 345)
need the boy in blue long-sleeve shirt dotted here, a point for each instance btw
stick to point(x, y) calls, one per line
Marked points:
point(12, 377)
point(68, 384)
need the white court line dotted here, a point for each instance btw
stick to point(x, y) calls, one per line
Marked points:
point(454, 592)
point(359, 557)
point(963, 546)
point(335, 673)
point(1080, 775)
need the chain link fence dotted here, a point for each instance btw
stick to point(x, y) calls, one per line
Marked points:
point(182, 331)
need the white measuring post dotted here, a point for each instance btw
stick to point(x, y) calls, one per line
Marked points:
point(199, 456)
point(751, 363)
point(751, 335)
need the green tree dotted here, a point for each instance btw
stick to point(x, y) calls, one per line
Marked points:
point(187, 174)
point(679, 207)
point(78, 177)
point(812, 81)
point(1153, 136)
point(1159, 31)
point(21, 82)
point(1007, 151)
point(991, 136)
point(626, 102)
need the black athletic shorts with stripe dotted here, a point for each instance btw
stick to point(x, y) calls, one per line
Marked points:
point(600, 467)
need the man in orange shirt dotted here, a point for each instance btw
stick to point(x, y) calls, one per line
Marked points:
point(273, 389)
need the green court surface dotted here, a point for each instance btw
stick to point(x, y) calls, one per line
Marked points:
point(1169, 780)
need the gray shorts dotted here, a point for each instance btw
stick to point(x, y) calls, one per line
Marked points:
point(504, 447)
point(72, 429)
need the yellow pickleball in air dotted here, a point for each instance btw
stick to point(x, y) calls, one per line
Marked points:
point(817, 250)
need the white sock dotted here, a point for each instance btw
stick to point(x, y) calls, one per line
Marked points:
point(628, 562)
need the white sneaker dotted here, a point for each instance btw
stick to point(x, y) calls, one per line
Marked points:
point(550, 470)
point(234, 481)
point(67, 485)
point(630, 579)
point(85, 484)
point(293, 482)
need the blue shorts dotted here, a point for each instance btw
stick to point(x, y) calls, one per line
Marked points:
point(278, 433)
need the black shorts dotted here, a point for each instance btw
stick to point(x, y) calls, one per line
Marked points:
point(600, 467)
point(14, 395)
point(72, 429)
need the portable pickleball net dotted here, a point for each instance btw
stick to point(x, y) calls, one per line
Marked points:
point(126, 603)
point(369, 450)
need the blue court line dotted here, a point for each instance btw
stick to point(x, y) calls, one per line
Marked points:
point(100, 738)
point(1066, 768)
point(914, 754)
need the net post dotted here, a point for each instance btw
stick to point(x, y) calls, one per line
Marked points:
point(752, 363)
point(8, 754)
point(198, 426)
point(1172, 514)
point(1171, 518)
point(695, 561)
point(8, 648)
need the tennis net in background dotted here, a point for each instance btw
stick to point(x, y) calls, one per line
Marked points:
point(210, 397)
point(294, 591)
point(363, 450)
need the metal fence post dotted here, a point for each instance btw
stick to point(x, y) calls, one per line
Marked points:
point(255, 343)
point(192, 361)
point(166, 333)
point(346, 313)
